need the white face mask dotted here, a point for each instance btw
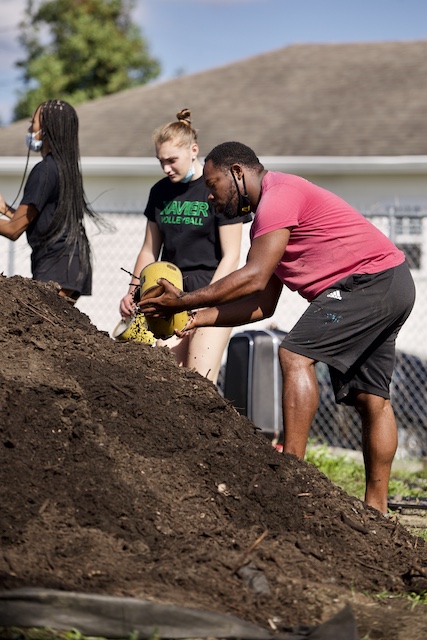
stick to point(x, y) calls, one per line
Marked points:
point(32, 143)
point(190, 173)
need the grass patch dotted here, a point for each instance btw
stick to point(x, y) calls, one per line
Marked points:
point(349, 474)
point(340, 469)
point(413, 599)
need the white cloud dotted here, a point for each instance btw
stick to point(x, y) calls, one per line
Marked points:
point(11, 14)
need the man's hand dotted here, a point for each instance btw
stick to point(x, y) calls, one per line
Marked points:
point(162, 302)
point(190, 325)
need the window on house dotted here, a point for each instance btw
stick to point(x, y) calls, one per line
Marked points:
point(403, 224)
point(408, 226)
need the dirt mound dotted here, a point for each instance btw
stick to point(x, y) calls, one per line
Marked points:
point(123, 474)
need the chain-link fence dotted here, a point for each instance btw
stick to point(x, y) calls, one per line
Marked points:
point(252, 381)
point(339, 425)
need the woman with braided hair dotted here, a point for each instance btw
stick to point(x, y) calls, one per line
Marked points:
point(184, 229)
point(53, 206)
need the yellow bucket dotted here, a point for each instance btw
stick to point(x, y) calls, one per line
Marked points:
point(160, 327)
point(134, 329)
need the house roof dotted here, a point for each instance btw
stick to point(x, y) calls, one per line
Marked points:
point(362, 99)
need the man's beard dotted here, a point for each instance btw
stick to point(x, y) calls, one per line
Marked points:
point(231, 211)
point(231, 208)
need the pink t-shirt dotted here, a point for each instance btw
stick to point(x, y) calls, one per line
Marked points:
point(329, 239)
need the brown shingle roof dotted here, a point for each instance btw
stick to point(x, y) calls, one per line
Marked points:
point(361, 99)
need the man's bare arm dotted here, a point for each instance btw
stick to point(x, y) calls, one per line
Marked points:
point(250, 309)
point(263, 257)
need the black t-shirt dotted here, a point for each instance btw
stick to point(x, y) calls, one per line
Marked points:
point(42, 191)
point(188, 223)
point(51, 263)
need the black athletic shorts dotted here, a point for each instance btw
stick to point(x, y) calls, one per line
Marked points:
point(196, 278)
point(60, 270)
point(352, 326)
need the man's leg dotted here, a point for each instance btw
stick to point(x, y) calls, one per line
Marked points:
point(379, 441)
point(300, 400)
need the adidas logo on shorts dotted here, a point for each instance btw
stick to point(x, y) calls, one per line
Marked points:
point(335, 294)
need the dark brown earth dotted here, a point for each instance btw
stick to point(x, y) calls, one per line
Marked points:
point(122, 474)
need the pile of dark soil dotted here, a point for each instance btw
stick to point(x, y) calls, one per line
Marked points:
point(123, 474)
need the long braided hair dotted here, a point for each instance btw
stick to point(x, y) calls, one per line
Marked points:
point(59, 124)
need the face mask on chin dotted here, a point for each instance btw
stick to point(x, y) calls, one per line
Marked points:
point(190, 173)
point(32, 143)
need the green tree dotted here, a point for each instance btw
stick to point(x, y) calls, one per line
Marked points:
point(78, 50)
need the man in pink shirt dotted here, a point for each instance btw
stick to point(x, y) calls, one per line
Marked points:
point(357, 282)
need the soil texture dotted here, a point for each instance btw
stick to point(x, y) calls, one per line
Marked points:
point(123, 474)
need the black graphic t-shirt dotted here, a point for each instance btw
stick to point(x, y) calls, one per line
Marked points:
point(188, 223)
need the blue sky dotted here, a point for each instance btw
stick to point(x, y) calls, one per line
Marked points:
point(189, 36)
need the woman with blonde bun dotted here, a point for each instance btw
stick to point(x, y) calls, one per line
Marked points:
point(184, 229)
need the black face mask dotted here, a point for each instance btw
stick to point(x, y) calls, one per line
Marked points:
point(244, 202)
